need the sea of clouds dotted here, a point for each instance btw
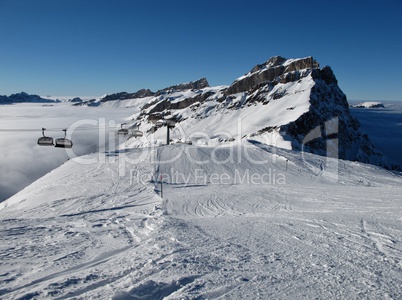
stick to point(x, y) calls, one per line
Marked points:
point(22, 161)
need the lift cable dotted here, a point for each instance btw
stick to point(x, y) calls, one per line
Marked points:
point(50, 129)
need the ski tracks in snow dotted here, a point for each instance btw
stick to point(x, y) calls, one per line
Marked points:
point(121, 241)
point(80, 243)
point(386, 238)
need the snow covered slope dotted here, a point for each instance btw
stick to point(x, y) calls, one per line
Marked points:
point(246, 221)
point(239, 207)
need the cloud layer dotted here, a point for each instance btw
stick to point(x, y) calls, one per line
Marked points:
point(22, 161)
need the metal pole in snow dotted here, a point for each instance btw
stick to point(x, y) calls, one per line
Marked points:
point(167, 135)
point(160, 180)
point(287, 164)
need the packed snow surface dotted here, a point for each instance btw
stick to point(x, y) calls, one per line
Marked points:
point(245, 221)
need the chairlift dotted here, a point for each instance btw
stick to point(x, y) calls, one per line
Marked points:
point(63, 142)
point(171, 123)
point(160, 123)
point(45, 140)
point(137, 133)
point(122, 131)
point(167, 122)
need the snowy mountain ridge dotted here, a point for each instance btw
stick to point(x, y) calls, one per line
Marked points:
point(288, 103)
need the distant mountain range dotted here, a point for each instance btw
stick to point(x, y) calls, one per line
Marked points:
point(28, 98)
point(24, 97)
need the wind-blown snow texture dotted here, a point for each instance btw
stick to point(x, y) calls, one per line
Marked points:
point(241, 213)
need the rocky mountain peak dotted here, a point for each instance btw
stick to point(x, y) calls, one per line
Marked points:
point(325, 74)
point(281, 102)
point(197, 84)
point(276, 69)
point(272, 62)
point(285, 99)
point(124, 95)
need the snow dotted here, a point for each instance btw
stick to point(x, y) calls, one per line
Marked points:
point(236, 215)
point(213, 121)
point(368, 104)
point(136, 103)
point(285, 230)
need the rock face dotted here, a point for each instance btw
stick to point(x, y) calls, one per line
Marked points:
point(276, 69)
point(198, 84)
point(76, 100)
point(329, 111)
point(124, 95)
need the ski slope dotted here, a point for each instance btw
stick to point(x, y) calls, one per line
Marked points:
point(241, 221)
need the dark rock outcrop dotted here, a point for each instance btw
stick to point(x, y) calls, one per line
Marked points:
point(328, 103)
point(76, 100)
point(329, 115)
point(197, 85)
point(168, 105)
point(124, 95)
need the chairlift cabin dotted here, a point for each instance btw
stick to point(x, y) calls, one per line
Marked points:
point(122, 131)
point(171, 123)
point(137, 133)
point(63, 142)
point(160, 123)
point(45, 140)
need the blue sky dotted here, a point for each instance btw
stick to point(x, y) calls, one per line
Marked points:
point(93, 47)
